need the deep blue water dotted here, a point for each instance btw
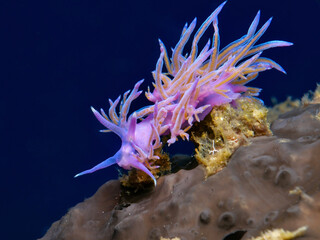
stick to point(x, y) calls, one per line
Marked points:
point(58, 58)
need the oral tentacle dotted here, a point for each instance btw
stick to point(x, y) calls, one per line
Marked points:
point(107, 163)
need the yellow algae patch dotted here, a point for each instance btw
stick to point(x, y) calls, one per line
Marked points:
point(225, 129)
point(280, 234)
point(137, 178)
point(283, 107)
point(176, 238)
point(312, 97)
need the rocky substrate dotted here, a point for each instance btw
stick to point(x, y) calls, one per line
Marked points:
point(274, 182)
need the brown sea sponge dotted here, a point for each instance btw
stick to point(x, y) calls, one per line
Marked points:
point(273, 183)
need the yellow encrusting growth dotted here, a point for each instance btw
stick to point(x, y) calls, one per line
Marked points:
point(137, 178)
point(280, 234)
point(312, 97)
point(225, 129)
point(283, 107)
point(176, 238)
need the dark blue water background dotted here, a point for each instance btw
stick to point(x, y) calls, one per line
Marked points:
point(58, 58)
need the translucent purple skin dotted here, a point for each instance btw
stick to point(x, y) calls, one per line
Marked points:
point(191, 86)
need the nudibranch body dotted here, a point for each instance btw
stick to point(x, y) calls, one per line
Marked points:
point(192, 85)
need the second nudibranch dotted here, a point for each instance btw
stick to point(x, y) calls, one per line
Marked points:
point(192, 85)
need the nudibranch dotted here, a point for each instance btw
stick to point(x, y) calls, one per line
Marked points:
point(186, 92)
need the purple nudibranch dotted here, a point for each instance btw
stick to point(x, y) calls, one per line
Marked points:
point(191, 86)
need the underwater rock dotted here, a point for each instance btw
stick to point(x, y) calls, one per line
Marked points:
point(271, 183)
